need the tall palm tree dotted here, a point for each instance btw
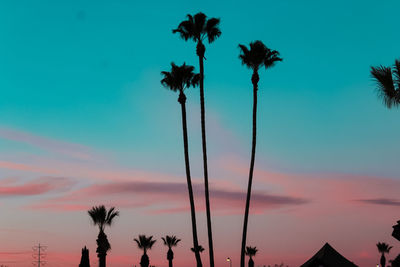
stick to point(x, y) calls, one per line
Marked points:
point(388, 82)
point(102, 218)
point(258, 56)
point(383, 248)
point(145, 243)
point(251, 252)
point(198, 28)
point(170, 241)
point(179, 79)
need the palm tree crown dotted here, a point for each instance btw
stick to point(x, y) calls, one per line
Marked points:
point(170, 241)
point(180, 77)
point(145, 242)
point(383, 247)
point(251, 251)
point(388, 82)
point(101, 217)
point(259, 55)
point(198, 27)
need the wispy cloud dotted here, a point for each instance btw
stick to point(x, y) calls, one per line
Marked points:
point(381, 201)
point(174, 195)
point(65, 148)
point(38, 186)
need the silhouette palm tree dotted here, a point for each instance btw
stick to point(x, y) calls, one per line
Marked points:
point(101, 217)
point(251, 252)
point(198, 28)
point(179, 79)
point(145, 243)
point(388, 82)
point(383, 248)
point(258, 56)
point(170, 241)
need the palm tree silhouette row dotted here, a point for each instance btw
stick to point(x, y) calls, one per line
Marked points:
point(198, 28)
point(257, 56)
point(145, 243)
point(179, 79)
point(383, 248)
point(102, 218)
point(388, 82)
point(170, 241)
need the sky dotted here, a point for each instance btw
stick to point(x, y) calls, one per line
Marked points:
point(84, 121)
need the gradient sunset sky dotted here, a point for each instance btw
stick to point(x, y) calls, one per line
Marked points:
point(84, 121)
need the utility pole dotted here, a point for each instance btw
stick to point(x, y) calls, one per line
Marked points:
point(39, 255)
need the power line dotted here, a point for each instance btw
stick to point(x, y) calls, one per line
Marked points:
point(39, 255)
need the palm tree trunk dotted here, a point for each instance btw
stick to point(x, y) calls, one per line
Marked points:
point(170, 257)
point(102, 260)
point(254, 79)
point(383, 260)
point(200, 52)
point(182, 101)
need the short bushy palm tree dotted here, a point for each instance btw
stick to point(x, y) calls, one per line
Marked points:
point(383, 248)
point(145, 243)
point(170, 241)
point(388, 82)
point(254, 58)
point(178, 80)
point(251, 252)
point(102, 218)
point(198, 28)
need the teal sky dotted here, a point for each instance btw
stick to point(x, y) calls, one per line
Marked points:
point(88, 72)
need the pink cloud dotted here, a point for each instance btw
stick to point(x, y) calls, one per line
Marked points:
point(24, 167)
point(68, 149)
point(173, 195)
point(35, 187)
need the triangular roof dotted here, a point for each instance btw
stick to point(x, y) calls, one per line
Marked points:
point(327, 256)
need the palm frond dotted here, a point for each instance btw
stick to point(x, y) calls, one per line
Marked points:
point(251, 251)
point(212, 29)
point(145, 242)
point(180, 77)
point(383, 247)
point(258, 55)
point(386, 89)
point(199, 25)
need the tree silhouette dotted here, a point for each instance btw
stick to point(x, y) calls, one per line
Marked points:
point(179, 79)
point(84, 258)
point(170, 241)
point(102, 218)
point(257, 56)
point(198, 28)
point(388, 83)
point(251, 252)
point(145, 243)
point(383, 248)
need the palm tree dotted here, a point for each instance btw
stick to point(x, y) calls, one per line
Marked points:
point(102, 218)
point(145, 243)
point(258, 56)
point(251, 252)
point(198, 28)
point(383, 248)
point(388, 83)
point(179, 79)
point(170, 241)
